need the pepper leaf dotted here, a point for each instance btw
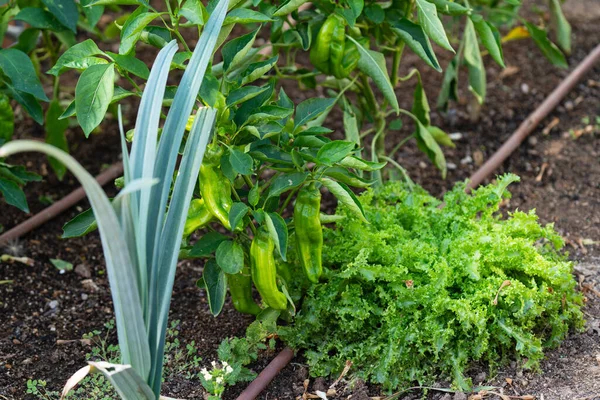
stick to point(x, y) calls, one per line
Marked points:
point(94, 92)
point(17, 66)
point(345, 196)
point(235, 51)
point(61, 265)
point(414, 36)
point(73, 56)
point(563, 28)
point(55, 135)
point(13, 195)
point(237, 212)
point(311, 109)
point(373, 64)
point(65, 11)
point(81, 225)
point(477, 78)
point(490, 37)
point(241, 162)
point(279, 232)
point(215, 281)
point(549, 49)
point(427, 144)
point(133, 28)
point(207, 244)
point(431, 23)
point(288, 7)
point(29, 102)
point(286, 182)
point(335, 151)
point(39, 18)
point(230, 257)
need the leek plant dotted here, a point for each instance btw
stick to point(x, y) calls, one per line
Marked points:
point(142, 229)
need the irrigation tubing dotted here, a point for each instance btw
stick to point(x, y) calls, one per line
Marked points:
point(286, 355)
point(60, 206)
point(266, 376)
point(534, 119)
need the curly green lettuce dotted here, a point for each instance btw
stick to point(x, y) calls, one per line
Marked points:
point(428, 287)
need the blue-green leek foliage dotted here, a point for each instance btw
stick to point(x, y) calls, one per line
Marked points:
point(141, 230)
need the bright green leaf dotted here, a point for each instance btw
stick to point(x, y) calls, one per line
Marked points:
point(13, 195)
point(241, 162)
point(345, 196)
point(477, 78)
point(414, 36)
point(29, 102)
point(335, 151)
point(17, 66)
point(245, 16)
point(72, 58)
point(207, 244)
point(562, 26)
point(133, 28)
point(243, 94)
point(278, 232)
point(230, 257)
point(490, 37)
point(81, 225)
point(286, 182)
point(431, 23)
point(236, 214)
point(65, 11)
point(94, 92)
point(131, 64)
point(216, 286)
point(39, 18)
point(55, 135)
point(372, 63)
point(549, 49)
point(288, 7)
point(311, 109)
point(61, 265)
point(234, 51)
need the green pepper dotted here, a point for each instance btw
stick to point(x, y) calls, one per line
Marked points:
point(309, 235)
point(349, 61)
point(264, 270)
point(240, 288)
point(332, 54)
point(198, 217)
point(215, 187)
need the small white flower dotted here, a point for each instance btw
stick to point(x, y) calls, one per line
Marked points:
point(228, 369)
point(219, 380)
point(225, 364)
point(207, 375)
point(214, 364)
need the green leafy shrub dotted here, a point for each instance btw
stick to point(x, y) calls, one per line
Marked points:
point(428, 287)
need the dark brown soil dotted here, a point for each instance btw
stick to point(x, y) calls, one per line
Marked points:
point(560, 178)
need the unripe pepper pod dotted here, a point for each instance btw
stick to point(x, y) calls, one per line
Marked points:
point(215, 187)
point(331, 53)
point(240, 289)
point(309, 234)
point(320, 52)
point(198, 217)
point(264, 270)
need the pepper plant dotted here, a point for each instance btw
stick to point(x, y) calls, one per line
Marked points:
point(352, 39)
point(265, 153)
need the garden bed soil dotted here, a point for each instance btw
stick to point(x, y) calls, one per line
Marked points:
point(44, 313)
